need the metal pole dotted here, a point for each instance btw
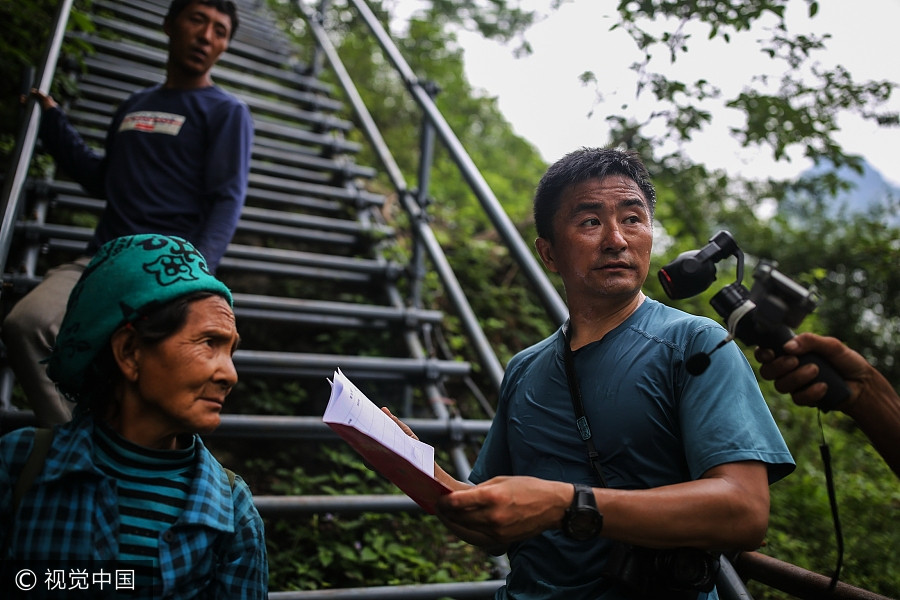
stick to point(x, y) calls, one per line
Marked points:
point(476, 590)
point(14, 182)
point(426, 160)
point(729, 584)
point(548, 294)
point(795, 580)
point(315, 65)
point(482, 347)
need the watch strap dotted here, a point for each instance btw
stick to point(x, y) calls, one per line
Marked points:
point(582, 490)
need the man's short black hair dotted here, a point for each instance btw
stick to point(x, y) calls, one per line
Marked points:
point(226, 7)
point(582, 165)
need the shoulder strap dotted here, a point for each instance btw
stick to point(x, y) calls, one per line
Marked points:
point(42, 439)
point(584, 428)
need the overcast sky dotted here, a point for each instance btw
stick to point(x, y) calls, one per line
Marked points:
point(544, 100)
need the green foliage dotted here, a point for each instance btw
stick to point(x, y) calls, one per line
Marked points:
point(369, 549)
point(24, 32)
point(868, 498)
point(493, 20)
point(800, 111)
point(804, 115)
point(511, 315)
point(358, 550)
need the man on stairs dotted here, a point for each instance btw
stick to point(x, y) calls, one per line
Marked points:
point(176, 162)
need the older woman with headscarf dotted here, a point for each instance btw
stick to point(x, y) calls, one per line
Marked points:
point(145, 351)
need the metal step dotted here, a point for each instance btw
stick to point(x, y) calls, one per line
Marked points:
point(325, 143)
point(123, 49)
point(297, 194)
point(383, 368)
point(285, 230)
point(352, 196)
point(478, 590)
point(325, 312)
point(102, 73)
point(240, 55)
point(288, 428)
point(255, 36)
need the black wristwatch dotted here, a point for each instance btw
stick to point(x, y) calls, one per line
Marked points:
point(582, 521)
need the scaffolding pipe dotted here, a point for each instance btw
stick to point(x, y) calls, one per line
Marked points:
point(326, 363)
point(282, 427)
point(14, 182)
point(373, 312)
point(455, 424)
point(729, 584)
point(291, 506)
point(795, 580)
point(520, 251)
point(482, 347)
point(476, 590)
point(426, 161)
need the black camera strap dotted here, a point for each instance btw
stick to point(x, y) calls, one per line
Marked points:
point(832, 501)
point(581, 422)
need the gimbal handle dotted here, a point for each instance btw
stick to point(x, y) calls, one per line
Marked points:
point(837, 390)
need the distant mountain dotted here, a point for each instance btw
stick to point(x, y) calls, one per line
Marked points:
point(869, 192)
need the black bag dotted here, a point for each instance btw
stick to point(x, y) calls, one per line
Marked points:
point(670, 574)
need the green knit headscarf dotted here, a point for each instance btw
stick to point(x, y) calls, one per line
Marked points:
point(128, 277)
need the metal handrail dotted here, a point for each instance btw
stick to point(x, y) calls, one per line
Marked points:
point(14, 183)
point(481, 345)
point(476, 590)
point(504, 226)
point(796, 581)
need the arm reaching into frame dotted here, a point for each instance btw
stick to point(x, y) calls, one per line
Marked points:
point(873, 402)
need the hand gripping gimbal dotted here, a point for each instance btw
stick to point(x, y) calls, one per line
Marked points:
point(761, 316)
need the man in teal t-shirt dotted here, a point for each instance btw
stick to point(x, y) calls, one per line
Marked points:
point(685, 461)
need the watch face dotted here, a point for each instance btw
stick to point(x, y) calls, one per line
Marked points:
point(583, 524)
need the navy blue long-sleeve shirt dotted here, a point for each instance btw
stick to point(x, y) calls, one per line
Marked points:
point(176, 162)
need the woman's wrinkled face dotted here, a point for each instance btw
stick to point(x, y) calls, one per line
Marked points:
point(180, 384)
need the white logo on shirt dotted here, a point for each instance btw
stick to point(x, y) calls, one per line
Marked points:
point(152, 122)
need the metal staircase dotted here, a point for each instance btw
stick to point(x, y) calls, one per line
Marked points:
point(309, 223)
point(306, 262)
point(308, 266)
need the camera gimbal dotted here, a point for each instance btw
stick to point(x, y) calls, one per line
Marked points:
point(761, 316)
